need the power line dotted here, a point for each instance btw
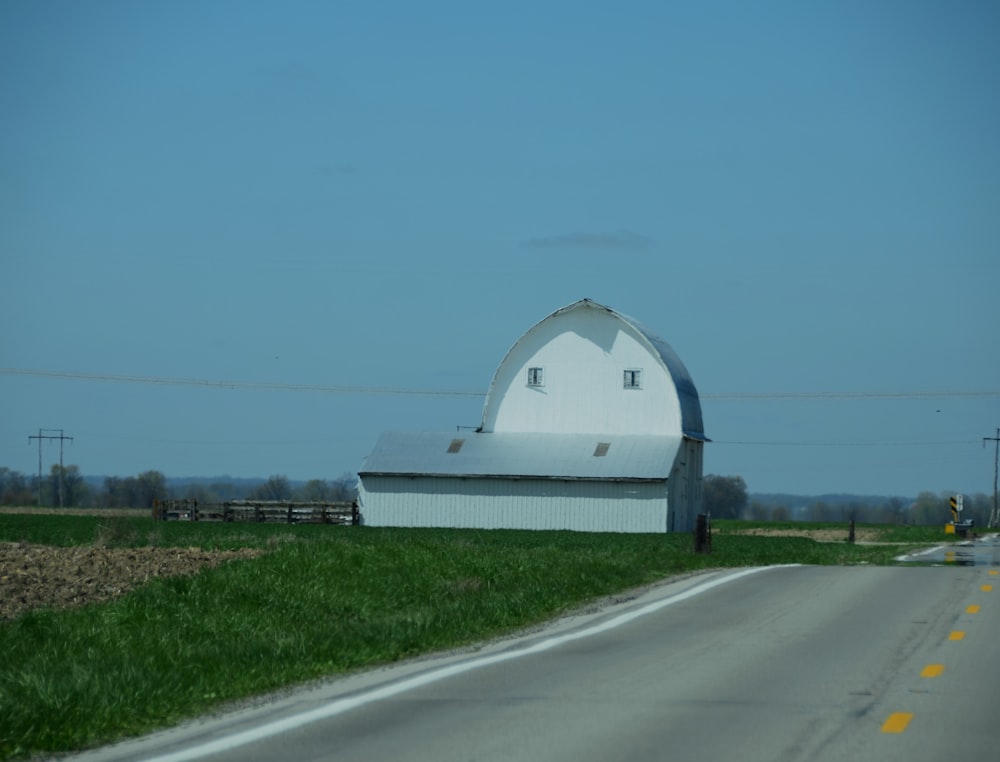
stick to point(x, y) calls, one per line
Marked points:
point(896, 395)
point(49, 437)
point(339, 389)
point(843, 444)
point(249, 385)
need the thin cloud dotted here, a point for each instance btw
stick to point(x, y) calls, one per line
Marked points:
point(332, 170)
point(623, 239)
point(291, 71)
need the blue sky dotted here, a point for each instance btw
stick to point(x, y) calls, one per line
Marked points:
point(801, 198)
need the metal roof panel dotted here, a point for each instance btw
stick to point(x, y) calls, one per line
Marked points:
point(511, 455)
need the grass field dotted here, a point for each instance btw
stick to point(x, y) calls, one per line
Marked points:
point(322, 601)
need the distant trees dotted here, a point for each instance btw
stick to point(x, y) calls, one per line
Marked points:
point(345, 487)
point(66, 487)
point(214, 492)
point(978, 507)
point(929, 508)
point(935, 508)
point(134, 491)
point(140, 491)
point(725, 497)
point(15, 488)
point(315, 490)
point(276, 487)
point(18, 489)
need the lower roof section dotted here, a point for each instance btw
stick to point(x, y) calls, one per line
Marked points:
point(515, 455)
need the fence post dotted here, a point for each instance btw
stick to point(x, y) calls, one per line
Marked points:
point(703, 534)
point(850, 537)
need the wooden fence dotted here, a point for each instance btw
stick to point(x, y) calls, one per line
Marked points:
point(258, 511)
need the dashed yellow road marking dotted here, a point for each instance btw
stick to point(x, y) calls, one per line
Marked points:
point(986, 588)
point(993, 572)
point(897, 722)
point(956, 635)
point(973, 609)
point(932, 670)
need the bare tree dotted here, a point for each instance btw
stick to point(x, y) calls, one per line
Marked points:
point(277, 487)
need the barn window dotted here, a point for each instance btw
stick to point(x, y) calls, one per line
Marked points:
point(456, 445)
point(633, 378)
point(602, 449)
point(535, 377)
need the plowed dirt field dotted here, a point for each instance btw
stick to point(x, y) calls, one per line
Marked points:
point(37, 576)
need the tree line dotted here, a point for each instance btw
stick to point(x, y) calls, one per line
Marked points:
point(726, 497)
point(66, 486)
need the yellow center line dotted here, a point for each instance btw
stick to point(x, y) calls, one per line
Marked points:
point(897, 722)
point(993, 572)
point(986, 588)
point(973, 609)
point(932, 670)
point(956, 635)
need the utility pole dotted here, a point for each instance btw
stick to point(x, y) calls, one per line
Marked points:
point(49, 437)
point(995, 515)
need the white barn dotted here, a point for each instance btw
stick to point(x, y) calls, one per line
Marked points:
point(591, 423)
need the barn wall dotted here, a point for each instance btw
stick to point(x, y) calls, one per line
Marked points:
point(585, 506)
point(686, 487)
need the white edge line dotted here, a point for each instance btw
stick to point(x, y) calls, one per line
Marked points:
point(394, 689)
point(919, 553)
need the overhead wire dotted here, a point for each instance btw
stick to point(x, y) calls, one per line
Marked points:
point(378, 390)
point(389, 390)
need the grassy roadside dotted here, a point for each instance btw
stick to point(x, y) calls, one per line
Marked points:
point(321, 602)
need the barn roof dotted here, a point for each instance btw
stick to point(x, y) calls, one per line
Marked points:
point(691, 422)
point(687, 395)
point(512, 455)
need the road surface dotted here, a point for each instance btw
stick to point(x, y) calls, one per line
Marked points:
point(786, 663)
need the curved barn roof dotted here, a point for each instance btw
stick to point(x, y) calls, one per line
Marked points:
point(686, 391)
point(690, 404)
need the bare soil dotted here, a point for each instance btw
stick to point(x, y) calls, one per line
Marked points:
point(72, 511)
point(820, 535)
point(37, 576)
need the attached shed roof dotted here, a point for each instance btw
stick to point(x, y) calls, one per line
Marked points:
point(512, 455)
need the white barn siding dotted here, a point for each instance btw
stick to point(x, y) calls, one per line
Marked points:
point(583, 358)
point(580, 505)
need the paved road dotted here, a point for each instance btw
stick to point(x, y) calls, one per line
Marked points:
point(984, 551)
point(790, 663)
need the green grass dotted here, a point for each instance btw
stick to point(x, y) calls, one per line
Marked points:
point(324, 601)
point(141, 531)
